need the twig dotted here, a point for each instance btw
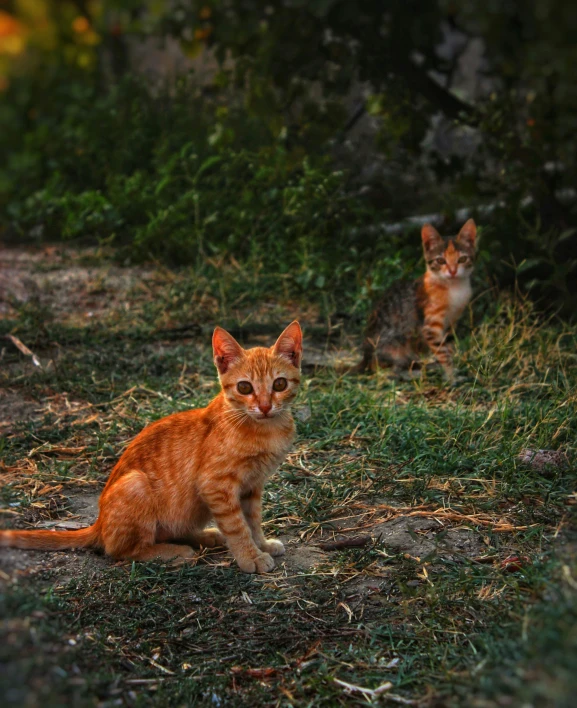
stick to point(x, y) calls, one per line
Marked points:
point(24, 349)
point(355, 542)
point(448, 514)
point(372, 692)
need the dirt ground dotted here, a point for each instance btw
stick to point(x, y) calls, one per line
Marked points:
point(93, 351)
point(76, 287)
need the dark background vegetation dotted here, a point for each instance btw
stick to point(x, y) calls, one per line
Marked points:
point(296, 136)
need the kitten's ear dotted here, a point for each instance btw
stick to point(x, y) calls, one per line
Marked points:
point(430, 237)
point(290, 344)
point(226, 350)
point(468, 233)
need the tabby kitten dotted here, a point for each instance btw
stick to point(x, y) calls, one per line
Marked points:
point(202, 464)
point(412, 314)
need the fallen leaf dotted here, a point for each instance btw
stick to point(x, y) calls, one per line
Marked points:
point(513, 563)
point(261, 673)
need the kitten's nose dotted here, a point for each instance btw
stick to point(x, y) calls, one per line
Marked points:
point(265, 408)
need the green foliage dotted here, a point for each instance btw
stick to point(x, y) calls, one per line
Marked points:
point(242, 167)
point(523, 118)
point(177, 178)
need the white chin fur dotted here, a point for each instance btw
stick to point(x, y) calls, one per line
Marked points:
point(461, 273)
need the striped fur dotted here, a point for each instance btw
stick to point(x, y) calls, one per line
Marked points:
point(412, 316)
point(191, 467)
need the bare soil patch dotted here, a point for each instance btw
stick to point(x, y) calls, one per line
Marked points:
point(61, 281)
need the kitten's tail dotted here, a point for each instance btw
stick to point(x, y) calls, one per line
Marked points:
point(51, 540)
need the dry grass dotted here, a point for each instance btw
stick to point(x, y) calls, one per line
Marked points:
point(463, 585)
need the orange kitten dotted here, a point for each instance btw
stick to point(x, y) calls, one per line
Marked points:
point(203, 464)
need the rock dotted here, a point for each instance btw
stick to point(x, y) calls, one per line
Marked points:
point(544, 460)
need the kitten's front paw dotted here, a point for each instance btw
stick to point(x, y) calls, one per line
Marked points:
point(264, 563)
point(449, 376)
point(274, 547)
point(261, 564)
point(409, 374)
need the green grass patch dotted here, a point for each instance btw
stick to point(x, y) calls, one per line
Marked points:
point(453, 623)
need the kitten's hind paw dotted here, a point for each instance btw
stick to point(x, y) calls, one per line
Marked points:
point(261, 564)
point(408, 374)
point(210, 538)
point(274, 547)
point(457, 380)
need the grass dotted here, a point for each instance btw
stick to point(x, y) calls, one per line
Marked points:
point(448, 618)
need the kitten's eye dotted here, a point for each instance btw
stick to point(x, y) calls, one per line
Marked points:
point(279, 384)
point(441, 261)
point(244, 387)
point(462, 259)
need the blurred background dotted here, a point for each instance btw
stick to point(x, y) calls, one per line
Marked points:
point(303, 140)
